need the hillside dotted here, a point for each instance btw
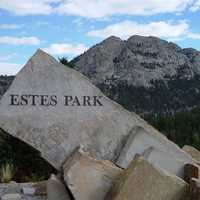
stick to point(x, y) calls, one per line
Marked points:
point(182, 128)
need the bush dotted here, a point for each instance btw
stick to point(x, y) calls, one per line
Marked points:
point(26, 159)
point(65, 61)
point(7, 172)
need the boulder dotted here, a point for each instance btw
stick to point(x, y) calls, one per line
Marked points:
point(55, 109)
point(88, 178)
point(166, 161)
point(142, 181)
point(141, 139)
point(192, 152)
point(56, 189)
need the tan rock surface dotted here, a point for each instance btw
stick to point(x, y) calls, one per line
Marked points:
point(88, 178)
point(142, 181)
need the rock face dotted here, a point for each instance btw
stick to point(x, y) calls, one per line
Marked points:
point(88, 178)
point(154, 75)
point(139, 61)
point(141, 141)
point(193, 152)
point(55, 109)
point(142, 181)
point(166, 161)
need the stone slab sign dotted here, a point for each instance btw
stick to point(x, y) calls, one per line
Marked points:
point(88, 178)
point(55, 109)
point(142, 181)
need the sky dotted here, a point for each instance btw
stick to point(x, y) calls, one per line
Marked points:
point(69, 27)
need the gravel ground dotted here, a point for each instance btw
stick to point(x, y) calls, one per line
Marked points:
point(13, 188)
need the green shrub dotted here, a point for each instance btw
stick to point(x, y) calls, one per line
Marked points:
point(7, 172)
point(26, 159)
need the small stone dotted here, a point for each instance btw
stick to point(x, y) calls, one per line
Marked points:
point(28, 190)
point(142, 181)
point(88, 178)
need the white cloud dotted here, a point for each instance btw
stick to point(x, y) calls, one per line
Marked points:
point(9, 26)
point(19, 40)
point(95, 8)
point(9, 68)
point(4, 58)
point(195, 36)
point(28, 7)
point(161, 29)
point(196, 6)
point(104, 8)
point(65, 48)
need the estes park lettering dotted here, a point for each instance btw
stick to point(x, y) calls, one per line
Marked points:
point(52, 100)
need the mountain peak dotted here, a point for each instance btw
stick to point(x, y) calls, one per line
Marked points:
point(113, 38)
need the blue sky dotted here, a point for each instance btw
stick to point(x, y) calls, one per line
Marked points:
point(70, 27)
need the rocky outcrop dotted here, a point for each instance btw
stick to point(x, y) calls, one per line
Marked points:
point(88, 178)
point(144, 74)
point(142, 181)
point(139, 61)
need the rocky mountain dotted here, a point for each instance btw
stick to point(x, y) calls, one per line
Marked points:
point(144, 74)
